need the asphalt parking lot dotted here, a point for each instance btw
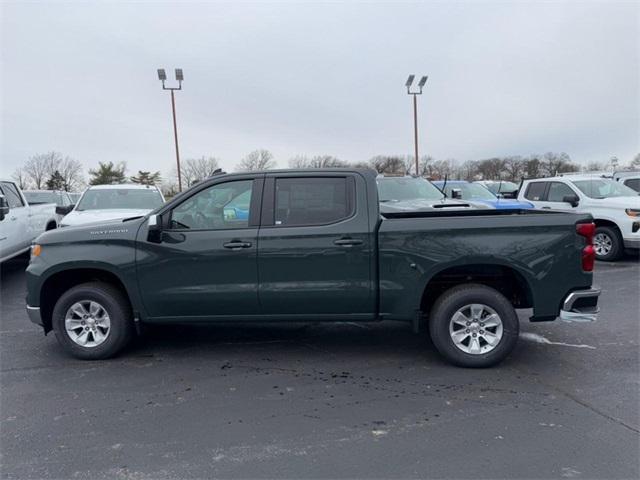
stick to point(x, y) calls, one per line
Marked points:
point(324, 401)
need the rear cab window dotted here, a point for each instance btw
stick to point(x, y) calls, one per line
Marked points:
point(633, 183)
point(308, 201)
point(535, 191)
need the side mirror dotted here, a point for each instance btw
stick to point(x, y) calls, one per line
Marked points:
point(456, 193)
point(4, 207)
point(513, 194)
point(154, 228)
point(573, 200)
point(64, 210)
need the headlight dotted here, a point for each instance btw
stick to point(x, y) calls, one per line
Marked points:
point(632, 212)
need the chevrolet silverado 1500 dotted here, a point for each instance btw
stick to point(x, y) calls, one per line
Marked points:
point(312, 245)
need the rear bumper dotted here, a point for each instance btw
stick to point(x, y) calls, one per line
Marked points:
point(34, 315)
point(581, 306)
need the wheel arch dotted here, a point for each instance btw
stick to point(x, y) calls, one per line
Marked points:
point(506, 279)
point(61, 281)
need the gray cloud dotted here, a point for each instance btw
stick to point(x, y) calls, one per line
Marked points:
point(505, 78)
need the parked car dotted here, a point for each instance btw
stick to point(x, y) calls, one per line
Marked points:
point(614, 207)
point(314, 247)
point(477, 193)
point(60, 198)
point(22, 222)
point(629, 179)
point(111, 202)
point(409, 193)
point(500, 188)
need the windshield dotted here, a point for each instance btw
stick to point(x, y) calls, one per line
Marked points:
point(604, 188)
point(470, 191)
point(116, 198)
point(504, 187)
point(40, 197)
point(406, 188)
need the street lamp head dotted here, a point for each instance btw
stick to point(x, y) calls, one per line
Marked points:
point(409, 81)
point(179, 75)
point(162, 75)
point(423, 80)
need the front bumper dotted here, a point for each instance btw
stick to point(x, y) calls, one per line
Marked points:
point(34, 315)
point(632, 243)
point(581, 306)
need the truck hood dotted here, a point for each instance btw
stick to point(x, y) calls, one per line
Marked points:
point(85, 217)
point(617, 202)
point(420, 205)
point(116, 229)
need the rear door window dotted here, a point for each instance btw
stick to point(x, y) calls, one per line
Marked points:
point(535, 191)
point(312, 201)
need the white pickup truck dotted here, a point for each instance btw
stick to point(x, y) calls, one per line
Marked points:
point(615, 208)
point(21, 223)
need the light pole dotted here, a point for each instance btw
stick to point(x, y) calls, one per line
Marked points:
point(408, 84)
point(162, 76)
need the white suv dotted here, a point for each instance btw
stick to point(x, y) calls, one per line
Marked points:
point(614, 207)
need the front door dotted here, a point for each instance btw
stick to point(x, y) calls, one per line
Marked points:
point(315, 249)
point(206, 263)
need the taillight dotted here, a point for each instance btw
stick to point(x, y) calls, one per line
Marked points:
point(587, 230)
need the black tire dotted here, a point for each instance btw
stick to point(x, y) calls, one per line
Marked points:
point(117, 306)
point(617, 246)
point(458, 297)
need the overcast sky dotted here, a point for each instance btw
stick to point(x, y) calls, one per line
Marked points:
point(504, 79)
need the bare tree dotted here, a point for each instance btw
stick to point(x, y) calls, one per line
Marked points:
point(513, 169)
point(40, 167)
point(318, 161)
point(257, 160)
point(195, 169)
point(595, 166)
point(71, 172)
point(395, 164)
point(21, 178)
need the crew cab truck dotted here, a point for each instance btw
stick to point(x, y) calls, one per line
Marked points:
point(615, 208)
point(21, 222)
point(313, 247)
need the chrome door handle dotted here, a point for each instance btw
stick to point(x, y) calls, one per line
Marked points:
point(347, 242)
point(236, 245)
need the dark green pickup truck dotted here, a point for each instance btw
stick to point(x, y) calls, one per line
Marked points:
point(312, 245)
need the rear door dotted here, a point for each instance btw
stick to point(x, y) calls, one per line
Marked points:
point(315, 250)
point(15, 231)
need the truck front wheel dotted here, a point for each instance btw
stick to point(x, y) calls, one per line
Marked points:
point(93, 321)
point(473, 326)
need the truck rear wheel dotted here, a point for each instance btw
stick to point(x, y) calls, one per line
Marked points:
point(93, 321)
point(473, 326)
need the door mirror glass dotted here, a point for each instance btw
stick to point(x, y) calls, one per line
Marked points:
point(4, 207)
point(573, 200)
point(456, 193)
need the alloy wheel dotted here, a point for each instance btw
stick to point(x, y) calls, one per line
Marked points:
point(87, 323)
point(476, 329)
